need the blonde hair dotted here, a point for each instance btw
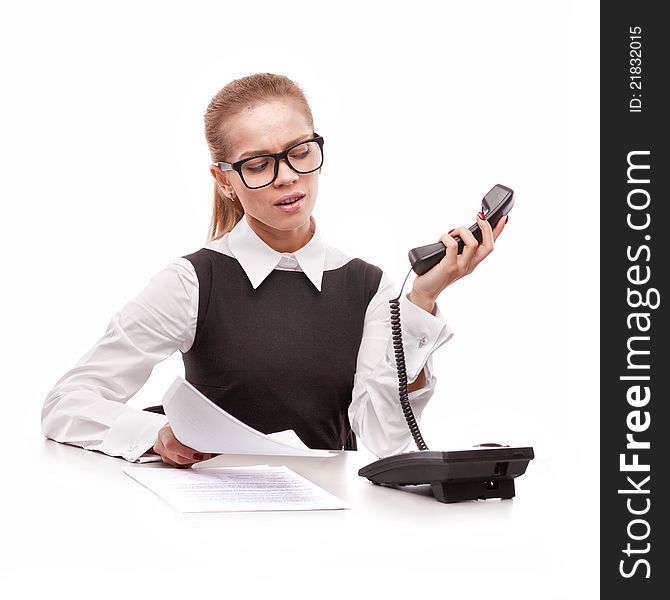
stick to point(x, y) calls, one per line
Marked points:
point(231, 100)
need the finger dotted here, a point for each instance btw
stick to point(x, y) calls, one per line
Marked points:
point(167, 456)
point(200, 456)
point(487, 232)
point(175, 464)
point(185, 459)
point(451, 248)
point(174, 446)
point(176, 449)
point(178, 458)
point(167, 461)
point(207, 455)
point(450, 243)
point(500, 225)
point(470, 243)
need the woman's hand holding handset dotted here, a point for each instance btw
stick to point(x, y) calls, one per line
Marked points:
point(453, 266)
point(173, 452)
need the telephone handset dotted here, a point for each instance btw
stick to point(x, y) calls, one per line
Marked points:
point(496, 204)
point(485, 471)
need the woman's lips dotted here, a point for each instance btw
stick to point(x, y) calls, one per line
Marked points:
point(286, 198)
point(290, 203)
point(292, 207)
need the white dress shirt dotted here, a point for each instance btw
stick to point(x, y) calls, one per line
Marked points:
point(87, 405)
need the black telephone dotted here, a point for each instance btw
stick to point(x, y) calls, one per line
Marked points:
point(496, 204)
point(484, 471)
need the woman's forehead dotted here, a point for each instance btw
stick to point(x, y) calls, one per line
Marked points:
point(268, 127)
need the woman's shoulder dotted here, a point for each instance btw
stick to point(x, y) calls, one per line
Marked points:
point(368, 274)
point(176, 275)
point(219, 245)
point(336, 259)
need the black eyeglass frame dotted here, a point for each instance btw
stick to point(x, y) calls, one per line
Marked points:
point(237, 166)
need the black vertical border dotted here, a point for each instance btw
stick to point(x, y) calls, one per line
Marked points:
point(634, 547)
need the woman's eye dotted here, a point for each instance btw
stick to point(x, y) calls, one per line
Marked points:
point(256, 166)
point(298, 154)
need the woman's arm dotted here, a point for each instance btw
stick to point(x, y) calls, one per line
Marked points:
point(375, 413)
point(87, 405)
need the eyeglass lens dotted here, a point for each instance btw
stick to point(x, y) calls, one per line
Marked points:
point(302, 159)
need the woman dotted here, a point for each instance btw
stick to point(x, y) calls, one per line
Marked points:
point(280, 329)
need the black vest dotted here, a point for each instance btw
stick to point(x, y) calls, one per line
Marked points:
point(282, 356)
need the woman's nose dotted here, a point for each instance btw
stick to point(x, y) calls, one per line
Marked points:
point(285, 174)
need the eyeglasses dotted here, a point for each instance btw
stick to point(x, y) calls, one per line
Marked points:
point(259, 171)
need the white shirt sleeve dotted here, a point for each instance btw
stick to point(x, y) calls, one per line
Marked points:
point(375, 413)
point(87, 406)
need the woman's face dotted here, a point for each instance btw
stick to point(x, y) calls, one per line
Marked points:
point(263, 129)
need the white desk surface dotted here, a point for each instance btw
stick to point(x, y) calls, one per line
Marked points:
point(75, 526)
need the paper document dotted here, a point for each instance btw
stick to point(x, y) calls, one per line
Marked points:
point(202, 425)
point(234, 489)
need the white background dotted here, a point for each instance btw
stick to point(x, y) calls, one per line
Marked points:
point(105, 179)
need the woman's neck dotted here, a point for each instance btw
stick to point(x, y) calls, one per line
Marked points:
point(283, 241)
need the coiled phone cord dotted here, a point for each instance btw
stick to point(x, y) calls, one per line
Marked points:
point(396, 332)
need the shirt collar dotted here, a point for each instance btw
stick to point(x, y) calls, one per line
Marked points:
point(258, 260)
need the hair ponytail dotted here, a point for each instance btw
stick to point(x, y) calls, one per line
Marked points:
point(225, 214)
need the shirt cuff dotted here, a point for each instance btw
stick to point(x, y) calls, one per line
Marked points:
point(132, 434)
point(422, 334)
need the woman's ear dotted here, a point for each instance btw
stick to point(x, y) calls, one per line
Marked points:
point(222, 181)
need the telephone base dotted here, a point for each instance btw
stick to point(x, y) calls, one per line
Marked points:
point(473, 474)
point(473, 490)
point(466, 490)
